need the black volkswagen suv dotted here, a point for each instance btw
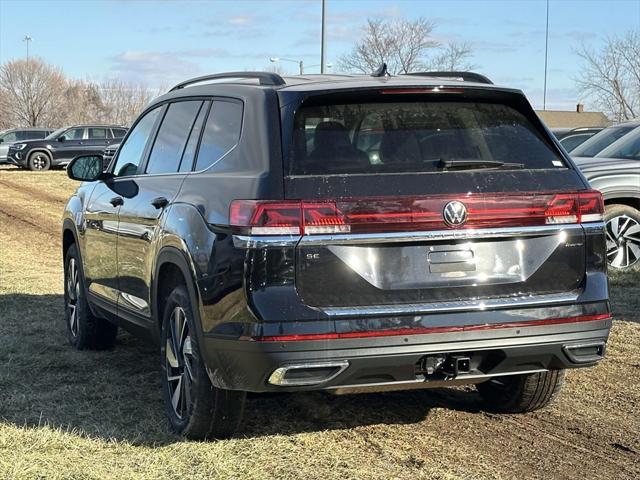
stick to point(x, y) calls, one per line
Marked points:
point(63, 145)
point(343, 233)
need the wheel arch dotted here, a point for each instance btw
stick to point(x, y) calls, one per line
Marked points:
point(172, 268)
point(41, 150)
point(630, 201)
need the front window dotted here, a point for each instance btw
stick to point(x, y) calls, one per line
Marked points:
point(55, 134)
point(73, 134)
point(131, 151)
point(415, 136)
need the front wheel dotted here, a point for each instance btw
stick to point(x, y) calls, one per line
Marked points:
point(521, 393)
point(623, 236)
point(195, 408)
point(39, 162)
point(84, 330)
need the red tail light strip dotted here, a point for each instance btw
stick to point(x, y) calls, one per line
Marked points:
point(384, 214)
point(428, 330)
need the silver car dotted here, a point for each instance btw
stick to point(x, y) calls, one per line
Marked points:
point(7, 137)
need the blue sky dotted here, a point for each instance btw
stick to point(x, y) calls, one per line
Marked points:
point(163, 42)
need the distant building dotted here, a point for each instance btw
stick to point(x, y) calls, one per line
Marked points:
point(579, 118)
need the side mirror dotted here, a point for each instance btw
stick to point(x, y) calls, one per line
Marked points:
point(85, 168)
point(62, 139)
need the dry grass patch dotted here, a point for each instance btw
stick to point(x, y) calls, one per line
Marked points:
point(68, 414)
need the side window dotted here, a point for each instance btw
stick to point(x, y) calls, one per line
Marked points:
point(97, 133)
point(190, 150)
point(73, 134)
point(221, 132)
point(172, 137)
point(10, 137)
point(37, 134)
point(130, 152)
point(118, 132)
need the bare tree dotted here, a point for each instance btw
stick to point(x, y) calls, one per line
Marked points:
point(30, 93)
point(402, 44)
point(611, 76)
point(121, 102)
point(453, 57)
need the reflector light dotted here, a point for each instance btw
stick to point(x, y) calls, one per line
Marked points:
point(393, 214)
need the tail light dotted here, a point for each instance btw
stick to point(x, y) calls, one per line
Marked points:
point(370, 215)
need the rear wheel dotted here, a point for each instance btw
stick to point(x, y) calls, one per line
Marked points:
point(623, 236)
point(195, 408)
point(84, 330)
point(39, 162)
point(521, 393)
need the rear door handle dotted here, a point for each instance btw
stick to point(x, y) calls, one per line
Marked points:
point(159, 202)
point(116, 201)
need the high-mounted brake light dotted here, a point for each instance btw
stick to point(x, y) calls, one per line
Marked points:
point(388, 214)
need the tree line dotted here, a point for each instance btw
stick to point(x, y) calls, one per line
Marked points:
point(34, 93)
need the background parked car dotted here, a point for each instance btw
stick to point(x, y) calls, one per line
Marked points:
point(570, 138)
point(108, 154)
point(616, 173)
point(13, 135)
point(602, 140)
point(63, 145)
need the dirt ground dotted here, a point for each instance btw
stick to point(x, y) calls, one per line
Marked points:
point(68, 414)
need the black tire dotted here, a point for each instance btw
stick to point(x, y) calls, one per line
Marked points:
point(623, 236)
point(521, 393)
point(39, 162)
point(84, 330)
point(200, 410)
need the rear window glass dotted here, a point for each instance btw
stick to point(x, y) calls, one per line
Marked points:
point(413, 137)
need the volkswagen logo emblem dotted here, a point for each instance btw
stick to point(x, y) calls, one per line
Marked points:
point(454, 213)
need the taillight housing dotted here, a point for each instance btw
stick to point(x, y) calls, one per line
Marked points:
point(394, 214)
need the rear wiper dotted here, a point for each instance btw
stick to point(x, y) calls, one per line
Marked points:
point(470, 163)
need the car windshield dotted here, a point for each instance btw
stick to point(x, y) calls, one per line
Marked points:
point(627, 148)
point(601, 140)
point(415, 136)
point(54, 135)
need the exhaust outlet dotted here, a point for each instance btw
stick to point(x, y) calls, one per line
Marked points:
point(306, 374)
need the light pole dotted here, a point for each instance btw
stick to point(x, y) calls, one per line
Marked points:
point(28, 39)
point(546, 56)
point(323, 43)
point(299, 62)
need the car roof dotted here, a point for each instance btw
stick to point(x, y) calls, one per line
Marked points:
point(249, 84)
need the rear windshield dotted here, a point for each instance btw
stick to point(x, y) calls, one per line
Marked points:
point(600, 141)
point(361, 138)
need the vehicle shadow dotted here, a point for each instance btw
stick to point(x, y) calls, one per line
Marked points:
point(116, 394)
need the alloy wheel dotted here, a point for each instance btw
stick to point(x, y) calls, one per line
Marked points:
point(73, 293)
point(179, 362)
point(623, 241)
point(39, 162)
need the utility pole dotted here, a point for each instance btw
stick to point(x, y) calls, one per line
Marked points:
point(546, 57)
point(301, 65)
point(323, 45)
point(28, 39)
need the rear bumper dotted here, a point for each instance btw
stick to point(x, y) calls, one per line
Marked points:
point(398, 361)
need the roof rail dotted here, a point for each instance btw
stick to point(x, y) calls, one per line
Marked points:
point(266, 78)
point(466, 76)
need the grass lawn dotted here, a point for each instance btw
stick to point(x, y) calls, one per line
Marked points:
point(69, 414)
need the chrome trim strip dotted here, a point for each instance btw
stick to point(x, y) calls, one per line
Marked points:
point(264, 241)
point(463, 305)
point(462, 234)
point(279, 374)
